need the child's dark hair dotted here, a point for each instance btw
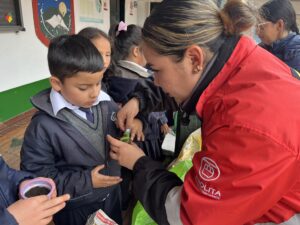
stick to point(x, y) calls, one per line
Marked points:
point(275, 10)
point(93, 32)
point(125, 39)
point(69, 54)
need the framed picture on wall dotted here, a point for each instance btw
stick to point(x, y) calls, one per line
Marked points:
point(11, 16)
point(53, 18)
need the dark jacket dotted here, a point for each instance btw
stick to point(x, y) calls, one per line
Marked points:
point(54, 148)
point(9, 188)
point(120, 88)
point(287, 49)
point(152, 97)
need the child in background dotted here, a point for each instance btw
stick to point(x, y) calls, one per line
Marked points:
point(130, 70)
point(131, 63)
point(65, 139)
point(279, 32)
point(103, 44)
point(36, 210)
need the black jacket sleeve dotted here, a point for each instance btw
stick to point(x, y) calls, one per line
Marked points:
point(151, 185)
point(152, 98)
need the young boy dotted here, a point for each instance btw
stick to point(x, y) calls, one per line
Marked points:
point(66, 139)
point(36, 210)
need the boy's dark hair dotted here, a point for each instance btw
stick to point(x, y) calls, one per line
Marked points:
point(275, 10)
point(123, 41)
point(69, 54)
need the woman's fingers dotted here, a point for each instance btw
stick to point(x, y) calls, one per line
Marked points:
point(114, 155)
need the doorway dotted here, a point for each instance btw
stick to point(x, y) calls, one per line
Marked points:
point(117, 11)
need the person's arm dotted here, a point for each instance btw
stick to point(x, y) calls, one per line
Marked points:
point(239, 170)
point(6, 218)
point(36, 210)
point(152, 98)
point(292, 58)
point(146, 98)
point(152, 184)
point(14, 176)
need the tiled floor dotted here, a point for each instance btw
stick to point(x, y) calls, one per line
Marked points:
point(11, 138)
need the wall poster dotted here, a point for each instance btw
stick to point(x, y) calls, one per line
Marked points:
point(91, 11)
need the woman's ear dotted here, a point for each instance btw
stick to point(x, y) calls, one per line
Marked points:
point(55, 83)
point(280, 24)
point(282, 32)
point(195, 55)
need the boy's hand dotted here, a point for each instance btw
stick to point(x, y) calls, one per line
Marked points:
point(99, 180)
point(137, 130)
point(37, 210)
point(127, 113)
point(164, 129)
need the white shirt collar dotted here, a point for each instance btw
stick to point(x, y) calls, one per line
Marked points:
point(58, 102)
point(135, 64)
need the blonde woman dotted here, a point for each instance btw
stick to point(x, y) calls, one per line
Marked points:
point(247, 99)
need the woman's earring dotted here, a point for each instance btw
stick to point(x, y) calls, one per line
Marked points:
point(197, 69)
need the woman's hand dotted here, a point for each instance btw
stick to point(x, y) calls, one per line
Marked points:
point(127, 113)
point(99, 180)
point(37, 210)
point(125, 154)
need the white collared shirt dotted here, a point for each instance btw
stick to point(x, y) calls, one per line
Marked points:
point(58, 102)
point(136, 65)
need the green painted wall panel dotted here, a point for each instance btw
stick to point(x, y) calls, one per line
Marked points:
point(16, 101)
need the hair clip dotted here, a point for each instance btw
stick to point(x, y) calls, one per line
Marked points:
point(122, 27)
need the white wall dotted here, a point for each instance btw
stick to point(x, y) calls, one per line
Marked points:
point(23, 56)
point(142, 12)
point(103, 26)
point(131, 15)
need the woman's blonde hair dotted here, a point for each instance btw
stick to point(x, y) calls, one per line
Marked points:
point(176, 24)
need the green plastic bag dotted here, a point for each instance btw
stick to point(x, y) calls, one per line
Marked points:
point(140, 216)
point(180, 167)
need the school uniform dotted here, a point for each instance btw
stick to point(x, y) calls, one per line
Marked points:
point(120, 88)
point(62, 144)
